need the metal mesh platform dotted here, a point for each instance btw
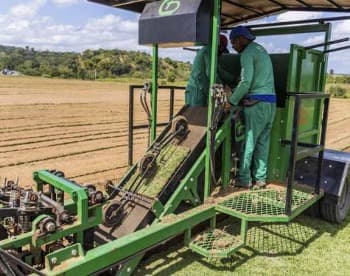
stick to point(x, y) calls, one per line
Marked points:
point(263, 203)
point(216, 244)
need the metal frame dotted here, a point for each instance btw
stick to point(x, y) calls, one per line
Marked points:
point(312, 148)
point(132, 126)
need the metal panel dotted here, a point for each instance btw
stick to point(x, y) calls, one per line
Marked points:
point(336, 169)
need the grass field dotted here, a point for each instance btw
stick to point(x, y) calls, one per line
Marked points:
point(80, 127)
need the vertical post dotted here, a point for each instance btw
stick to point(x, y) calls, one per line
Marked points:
point(292, 158)
point(226, 155)
point(213, 63)
point(131, 125)
point(154, 97)
point(171, 108)
point(322, 143)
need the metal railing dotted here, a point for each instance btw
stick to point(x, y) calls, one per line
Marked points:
point(312, 148)
point(132, 126)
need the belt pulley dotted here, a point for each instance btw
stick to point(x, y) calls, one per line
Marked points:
point(115, 211)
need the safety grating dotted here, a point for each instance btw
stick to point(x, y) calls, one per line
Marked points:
point(268, 202)
point(215, 244)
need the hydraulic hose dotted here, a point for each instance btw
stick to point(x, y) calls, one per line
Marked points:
point(218, 99)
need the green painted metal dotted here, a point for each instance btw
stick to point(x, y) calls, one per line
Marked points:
point(213, 63)
point(266, 205)
point(116, 251)
point(154, 97)
point(216, 244)
point(190, 181)
point(70, 253)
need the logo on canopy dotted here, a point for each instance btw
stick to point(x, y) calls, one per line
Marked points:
point(169, 7)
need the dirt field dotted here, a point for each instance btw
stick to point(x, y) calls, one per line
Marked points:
point(80, 127)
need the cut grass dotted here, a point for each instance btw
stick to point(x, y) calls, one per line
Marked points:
point(168, 160)
point(305, 246)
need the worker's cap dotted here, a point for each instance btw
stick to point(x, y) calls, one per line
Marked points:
point(223, 41)
point(241, 31)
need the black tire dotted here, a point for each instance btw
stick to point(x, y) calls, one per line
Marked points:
point(336, 209)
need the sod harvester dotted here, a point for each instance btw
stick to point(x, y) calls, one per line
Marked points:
point(65, 228)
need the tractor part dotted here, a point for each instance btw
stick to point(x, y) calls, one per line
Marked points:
point(147, 165)
point(113, 213)
point(47, 226)
point(179, 126)
point(335, 209)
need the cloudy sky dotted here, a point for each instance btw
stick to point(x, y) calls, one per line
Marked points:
point(76, 25)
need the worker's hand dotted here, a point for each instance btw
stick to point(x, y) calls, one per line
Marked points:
point(227, 107)
point(228, 91)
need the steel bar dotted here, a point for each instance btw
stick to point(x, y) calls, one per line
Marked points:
point(292, 159)
point(154, 97)
point(326, 43)
point(337, 49)
point(171, 107)
point(322, 142)
point(213, 63)
point(335, 4)
point(131, 126)
point(300, 22)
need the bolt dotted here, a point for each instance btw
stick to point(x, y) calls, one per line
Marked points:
point(282, 121)
point(191, 179)
point(74, 252)
point(54, 260)
point(128, 270)
point(278, 158)
point(218, 141)
point(50, 227)
point(301, 177)
point(330, 166)
point(306, 162)
point(325, 182)
point(196, 200)
point(185, 188)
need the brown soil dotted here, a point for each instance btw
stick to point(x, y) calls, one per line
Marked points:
point(80, 127)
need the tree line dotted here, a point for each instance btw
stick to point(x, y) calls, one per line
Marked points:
point(90, 64)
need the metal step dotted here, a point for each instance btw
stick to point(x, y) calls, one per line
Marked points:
point(265, 205)
point(215, 244)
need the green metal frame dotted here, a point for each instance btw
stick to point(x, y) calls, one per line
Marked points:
point(87, 217)
point(129, 250)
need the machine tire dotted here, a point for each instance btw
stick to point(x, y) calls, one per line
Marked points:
point(336, 210)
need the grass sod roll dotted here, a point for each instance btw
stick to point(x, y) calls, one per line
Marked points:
point(169, 159)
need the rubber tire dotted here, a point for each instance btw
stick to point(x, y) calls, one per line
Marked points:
point(336, 210)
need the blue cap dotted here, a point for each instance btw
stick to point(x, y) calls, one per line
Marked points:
point(241, 31)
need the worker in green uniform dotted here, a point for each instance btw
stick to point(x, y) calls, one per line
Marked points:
point(197, 89)
point(256, 92)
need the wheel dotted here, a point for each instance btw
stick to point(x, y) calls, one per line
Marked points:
point(336, 209)
point(113, 213)
point(179, 126)
point(147, 165)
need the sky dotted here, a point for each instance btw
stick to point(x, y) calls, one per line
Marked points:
point(77, 25)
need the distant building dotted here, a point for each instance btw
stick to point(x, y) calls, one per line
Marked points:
point(8, 72)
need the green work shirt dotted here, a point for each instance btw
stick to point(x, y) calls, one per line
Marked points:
point(197, 89)
point(256, 73)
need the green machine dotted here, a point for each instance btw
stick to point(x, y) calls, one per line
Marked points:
point(66, 228)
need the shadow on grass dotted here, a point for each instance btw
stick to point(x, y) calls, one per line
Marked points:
point(263, 239)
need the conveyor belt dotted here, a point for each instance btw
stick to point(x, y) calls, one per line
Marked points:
point(138, 213)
